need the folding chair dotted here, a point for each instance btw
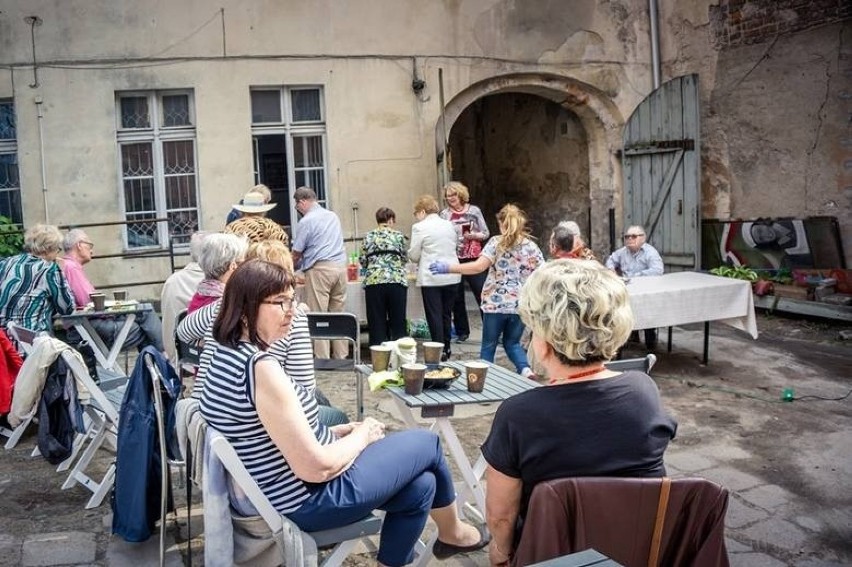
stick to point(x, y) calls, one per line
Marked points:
point(188, 354)
point(166, 462)
point(301, 547)
point(645, 364)
point(340, 326)
point(26, 343)
point(103, 410)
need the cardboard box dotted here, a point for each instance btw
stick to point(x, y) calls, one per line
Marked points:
point(791, 291)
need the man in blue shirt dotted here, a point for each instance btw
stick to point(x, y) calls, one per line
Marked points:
point(637, 258)
point(319, 253)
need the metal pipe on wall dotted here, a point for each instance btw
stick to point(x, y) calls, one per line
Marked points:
point(38, 102)
point(653, 15)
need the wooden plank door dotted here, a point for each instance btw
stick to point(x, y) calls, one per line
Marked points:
point(660, 162)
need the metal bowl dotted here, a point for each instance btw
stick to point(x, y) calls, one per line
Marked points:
point(439, 383)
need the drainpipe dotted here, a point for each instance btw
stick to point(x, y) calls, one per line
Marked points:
point(38, 102)
point(655, 42)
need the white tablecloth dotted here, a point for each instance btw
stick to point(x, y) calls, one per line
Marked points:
point(691, 297)
point(356, 303)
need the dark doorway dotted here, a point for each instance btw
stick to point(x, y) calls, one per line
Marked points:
point(527, 150)
point(270, 158)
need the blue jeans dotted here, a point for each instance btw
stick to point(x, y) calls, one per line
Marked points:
point(405, 474)
point(511, 327)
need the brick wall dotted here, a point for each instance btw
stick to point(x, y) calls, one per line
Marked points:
point(736, 22)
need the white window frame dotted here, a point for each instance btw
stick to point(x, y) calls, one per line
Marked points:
point(156, 135)
point(9, 146)
point(290, 130)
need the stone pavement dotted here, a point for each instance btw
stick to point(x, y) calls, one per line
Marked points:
point(771, 520)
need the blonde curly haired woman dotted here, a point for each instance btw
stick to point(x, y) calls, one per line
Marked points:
point(510, 258)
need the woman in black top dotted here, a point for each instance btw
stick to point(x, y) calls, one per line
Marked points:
point(588, 421)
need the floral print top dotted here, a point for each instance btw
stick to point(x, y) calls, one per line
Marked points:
point(507, 274)
point(383, 256)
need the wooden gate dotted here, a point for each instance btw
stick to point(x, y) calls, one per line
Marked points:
point(661, 162)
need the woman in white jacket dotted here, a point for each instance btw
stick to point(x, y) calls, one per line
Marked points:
point(433, 239)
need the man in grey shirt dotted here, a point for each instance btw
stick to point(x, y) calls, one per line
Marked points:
point(637, 258)
point(319, 253)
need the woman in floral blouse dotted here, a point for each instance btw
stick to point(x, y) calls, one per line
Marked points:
point(510, 259)
point(383, 254)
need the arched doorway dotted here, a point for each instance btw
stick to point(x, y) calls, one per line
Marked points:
point(544, 142)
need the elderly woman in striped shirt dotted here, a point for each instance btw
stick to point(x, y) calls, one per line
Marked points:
point(320, 477)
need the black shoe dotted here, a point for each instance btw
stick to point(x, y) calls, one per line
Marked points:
point(443, 550)
point(445, 356)
point(462, 338)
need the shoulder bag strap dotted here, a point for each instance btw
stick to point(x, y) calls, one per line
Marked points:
point(662, 506)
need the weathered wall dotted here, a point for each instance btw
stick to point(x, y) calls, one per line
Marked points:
point(775, 79)
point(526, 150)
point(774, 114)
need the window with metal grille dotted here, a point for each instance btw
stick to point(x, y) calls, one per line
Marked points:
point(10, 184)
point(289, 144)
point(157, 163)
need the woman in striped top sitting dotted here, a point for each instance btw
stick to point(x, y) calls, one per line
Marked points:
point(320, 477)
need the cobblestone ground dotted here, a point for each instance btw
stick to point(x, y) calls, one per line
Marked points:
point(787, 465)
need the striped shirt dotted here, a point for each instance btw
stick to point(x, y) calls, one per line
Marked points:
point(32, 291)
point(228, 404)
point(294, 352)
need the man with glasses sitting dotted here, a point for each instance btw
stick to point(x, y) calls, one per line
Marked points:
point(147, 328)
point(637, 258)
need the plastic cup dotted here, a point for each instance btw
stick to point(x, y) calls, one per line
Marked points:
point(98, 300)
point(413, 375)
point(475, 372)
point(120, 294)
point(432, 352)
point(380, 357)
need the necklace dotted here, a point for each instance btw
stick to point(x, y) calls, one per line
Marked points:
point(576, 375)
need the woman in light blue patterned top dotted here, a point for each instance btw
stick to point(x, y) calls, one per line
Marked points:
point(383, 255)
point(510, 259)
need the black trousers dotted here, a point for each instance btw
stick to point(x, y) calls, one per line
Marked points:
point(386, 304)
point(475, 283)
point(438, 305)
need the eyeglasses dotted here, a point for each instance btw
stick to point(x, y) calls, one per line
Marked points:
point(285, 304)
point(91, 244)
point(632, 236)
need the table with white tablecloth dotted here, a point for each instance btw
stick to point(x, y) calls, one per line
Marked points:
point(691, 297)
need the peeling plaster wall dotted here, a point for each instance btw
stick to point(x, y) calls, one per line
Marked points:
point(775, 127)
point(776, 103)
point(526, 150)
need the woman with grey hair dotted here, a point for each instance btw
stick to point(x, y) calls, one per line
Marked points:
point(32, 287)
point(588, 421)
point(220, 255)
point(579, 250)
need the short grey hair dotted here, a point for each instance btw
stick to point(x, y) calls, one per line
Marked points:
point(72, 237)
point(572, 227)
point(219, 251)
point(42, 239)
point(195, 242)
point(304, 194)
point(562, 238)
point(578, 307)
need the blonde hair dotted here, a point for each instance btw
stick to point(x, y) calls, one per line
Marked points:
point(427, 204)
point(578, 307)
point(459, 189)
point(263, 190)
point(42, 240)
point(273, 251)
point(513, 227)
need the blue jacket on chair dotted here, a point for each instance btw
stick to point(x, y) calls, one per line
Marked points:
point(136, 499)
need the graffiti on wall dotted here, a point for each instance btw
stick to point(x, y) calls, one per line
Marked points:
point(771, 244)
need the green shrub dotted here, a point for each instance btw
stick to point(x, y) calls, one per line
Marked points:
point(11, 238)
